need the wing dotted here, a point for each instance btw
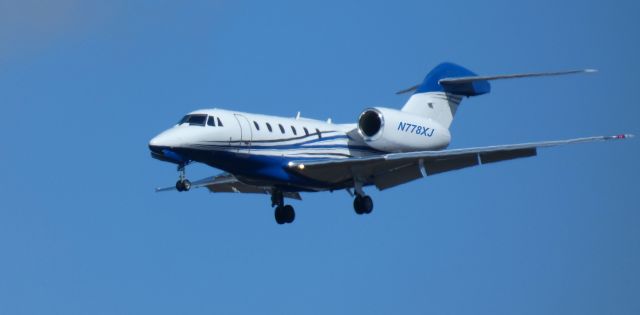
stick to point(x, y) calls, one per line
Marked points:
point(389, 170)
point(228, 183)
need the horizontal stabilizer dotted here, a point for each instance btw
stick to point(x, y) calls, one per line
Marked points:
point(409, 89)
point(460, 80)
point(452, 84)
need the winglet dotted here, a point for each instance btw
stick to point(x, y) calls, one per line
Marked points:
point(620, 136)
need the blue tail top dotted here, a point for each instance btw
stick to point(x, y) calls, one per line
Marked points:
point(452, 70)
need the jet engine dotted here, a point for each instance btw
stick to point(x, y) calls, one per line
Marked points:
point(392, 130)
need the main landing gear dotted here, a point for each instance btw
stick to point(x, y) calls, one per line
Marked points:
point(362, 203)
point(183, 184)
point(283, 213)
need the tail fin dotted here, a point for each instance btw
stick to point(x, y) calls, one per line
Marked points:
point(442, 90)
point(438, 101)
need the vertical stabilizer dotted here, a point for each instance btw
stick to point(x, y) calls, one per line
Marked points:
point(438, 101)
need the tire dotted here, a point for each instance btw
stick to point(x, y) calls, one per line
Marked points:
point(186, 185)
point(279, 215)
point(357, 205)
point(367, 204)
point(289, 214)
point(179, 186)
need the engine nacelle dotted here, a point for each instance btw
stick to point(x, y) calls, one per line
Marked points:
point(392, 130)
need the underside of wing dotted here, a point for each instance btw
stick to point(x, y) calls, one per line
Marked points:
point(389, 170)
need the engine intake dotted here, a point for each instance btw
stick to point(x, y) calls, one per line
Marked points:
point(370, 123)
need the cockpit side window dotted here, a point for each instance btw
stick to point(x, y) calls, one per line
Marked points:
point(184, 119)
point(194, 120)
point(220, 123)
point(197, 120)
point(211, 121)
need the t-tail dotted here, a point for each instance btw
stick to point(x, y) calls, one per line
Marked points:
point(444, 87)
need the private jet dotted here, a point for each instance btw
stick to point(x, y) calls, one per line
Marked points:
point(285, 156)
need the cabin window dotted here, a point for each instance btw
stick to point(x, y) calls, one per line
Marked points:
point(269, 127)
point(295, 133)
point(306, 132)
point(256, 125)
point(220, 123)
point(319, 134)
point(211, 121)
point(281, 128)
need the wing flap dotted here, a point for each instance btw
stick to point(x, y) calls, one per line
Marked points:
point(446, 164)
point(397, 176)
point(497, 156)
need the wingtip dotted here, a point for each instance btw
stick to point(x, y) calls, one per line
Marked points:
point(590, 70)
point(622, 136)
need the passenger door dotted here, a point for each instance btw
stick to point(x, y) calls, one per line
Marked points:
point(246, 134)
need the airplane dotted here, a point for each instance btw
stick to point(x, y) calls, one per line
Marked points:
point(386, 147)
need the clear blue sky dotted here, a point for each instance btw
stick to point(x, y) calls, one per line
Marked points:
point(84, 86)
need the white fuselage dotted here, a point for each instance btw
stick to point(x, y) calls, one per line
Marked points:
point(260, 146)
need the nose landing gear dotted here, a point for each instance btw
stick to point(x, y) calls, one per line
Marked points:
point(183, 184)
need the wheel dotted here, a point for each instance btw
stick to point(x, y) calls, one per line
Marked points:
point(183, 185)
point(357, 205)
point(289, 214)
point(367, 204)
point(186, 185)
point(279, 215)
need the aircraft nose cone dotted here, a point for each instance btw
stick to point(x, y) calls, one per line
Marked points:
point(168, 139)
point(156, 141)
point(163, 147)
point(160, 142)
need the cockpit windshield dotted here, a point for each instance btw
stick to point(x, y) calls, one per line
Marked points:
point(194, 120)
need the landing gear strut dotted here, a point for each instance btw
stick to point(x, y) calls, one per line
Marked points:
point(283, 213)
point(183, 184)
